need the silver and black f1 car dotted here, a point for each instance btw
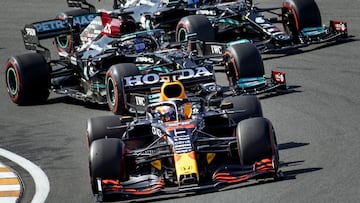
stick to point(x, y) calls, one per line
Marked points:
point(229, 21)
point(108, 62)
point(181, 145)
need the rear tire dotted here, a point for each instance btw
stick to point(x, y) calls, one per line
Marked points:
point(115, 94)
point(106, 161)
point(27, 79)
point(198, 24)
point(103, 126)
point(299, 14)
point(256, 141)
point(249, 103)
point(241, 61)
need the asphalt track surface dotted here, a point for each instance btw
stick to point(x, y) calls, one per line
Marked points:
point(317, 126)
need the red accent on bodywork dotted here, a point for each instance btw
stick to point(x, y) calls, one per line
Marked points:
point(339, 26)
point(278, 77)
point(111, 25)
point(188, 126)
point(116, 186)
point(264, 166)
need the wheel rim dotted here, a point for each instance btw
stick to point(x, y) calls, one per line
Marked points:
point(63, 42)
point(181, 36)
point(230, 70)
point(111, 92)
point(289, 23)
point(12, 81)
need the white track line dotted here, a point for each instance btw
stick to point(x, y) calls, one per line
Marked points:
point(8, 199)
point(7, 174)
point(42, 185)
point(9, 187)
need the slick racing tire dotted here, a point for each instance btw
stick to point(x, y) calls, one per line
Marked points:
point(299, 14)
point(27, 79)
point(241, 61)
point(248, 106)
point(198, 24)
point(256, 141)
point(115, 95)
point(106, 161)
point(104, 126)
point(65, 43)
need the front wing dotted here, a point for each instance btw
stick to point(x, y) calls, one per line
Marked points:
point(151, 184)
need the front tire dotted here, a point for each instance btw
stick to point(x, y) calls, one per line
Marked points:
point(256, 141)
point(104, 126)
point(248, 105)
point(27, 79)
point(115, 94)
point(299, 14)
point(106, 161)
point(198, 24)
point(242, 60)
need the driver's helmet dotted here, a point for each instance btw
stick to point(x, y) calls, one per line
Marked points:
point(139, 45)
point(166, 113)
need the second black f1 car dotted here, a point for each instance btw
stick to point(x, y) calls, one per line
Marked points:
point(181, 145)
point(229, 21)
point(108, 62)
point(232, 21)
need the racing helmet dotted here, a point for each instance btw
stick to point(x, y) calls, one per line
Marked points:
point(175, 89)
point(166, 113)
point(139, 45)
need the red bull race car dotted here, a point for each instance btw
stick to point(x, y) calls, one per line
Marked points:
point(181, 145)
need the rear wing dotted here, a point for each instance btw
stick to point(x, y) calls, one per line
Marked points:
point(34, 32)
point(83, 4)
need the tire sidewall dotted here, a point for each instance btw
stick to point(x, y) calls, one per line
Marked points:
point(242, 60)
point(256, 144)
point(181, 29)
point(113, 95)
point(30, 75)
point(248, 106)
point(103, 126)
point(198, 24)
point(14, 95)
point(114, 79)
point(305, 13)
point(106, 160)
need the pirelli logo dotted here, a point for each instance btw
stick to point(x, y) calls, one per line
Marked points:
point(10, 185)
